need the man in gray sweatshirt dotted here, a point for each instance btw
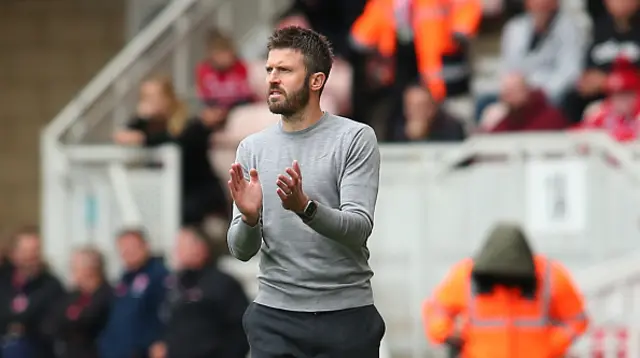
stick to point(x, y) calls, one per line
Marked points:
point(304, 195)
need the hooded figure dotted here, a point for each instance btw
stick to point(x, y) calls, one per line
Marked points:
point(505, 259)
point(510, 303)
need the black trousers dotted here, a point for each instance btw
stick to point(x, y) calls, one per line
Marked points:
point(350, 333)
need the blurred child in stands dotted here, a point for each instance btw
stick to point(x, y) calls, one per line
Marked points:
point(619, 113)
point(222, 79)
point(163, 118)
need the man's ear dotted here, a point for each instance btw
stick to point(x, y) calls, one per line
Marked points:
point(317, 81)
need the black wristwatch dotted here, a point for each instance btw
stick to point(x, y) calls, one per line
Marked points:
point(309, 211)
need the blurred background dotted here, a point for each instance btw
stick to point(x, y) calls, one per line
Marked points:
point(127, 113)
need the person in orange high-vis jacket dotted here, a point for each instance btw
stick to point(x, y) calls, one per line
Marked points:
point(509, 303)
point(439, 28)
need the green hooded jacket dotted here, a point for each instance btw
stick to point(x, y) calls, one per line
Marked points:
point(505, 254)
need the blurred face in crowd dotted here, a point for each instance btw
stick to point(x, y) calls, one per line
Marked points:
point(541, 6)
point(419, 111)
point(222, 58)
point(622, 8)
point(154, 101)
point(134, 251)
point(515, 91)
point(288, 91)
point(190, 251)
point(624, 103)
point(27, 254)
point(85, 269)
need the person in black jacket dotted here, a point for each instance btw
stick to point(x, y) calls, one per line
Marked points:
point(204, 305)
point(615, 34)
point(161, 118)
point(25, 300)
point(81, 315)
point(134, 322)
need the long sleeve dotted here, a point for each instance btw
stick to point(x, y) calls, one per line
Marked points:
point(153, 327)
point(429, 41)
point(448, 301)
point(510, 59)
point(244, 241)
point(466, 16)
point(568, 313)
point(366, 30)
point(352, 223)
point(568, 66)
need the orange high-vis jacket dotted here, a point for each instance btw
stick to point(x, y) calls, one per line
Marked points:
point(503, 324)
point(434, 22)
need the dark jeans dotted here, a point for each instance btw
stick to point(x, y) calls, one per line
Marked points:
point(350, 333)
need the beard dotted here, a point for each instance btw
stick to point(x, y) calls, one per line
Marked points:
point(289, 103)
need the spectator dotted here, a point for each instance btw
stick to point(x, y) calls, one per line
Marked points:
point(332, 18)
point(223, 79)
point(522, 109)
point(531, 43)
point(426, 120)
point(161, 119)
point(619, 113)
point(25, 300)
point(134, 321)
point(82, 314)
point(615, 34)
point(433, 49)
point(205, 305)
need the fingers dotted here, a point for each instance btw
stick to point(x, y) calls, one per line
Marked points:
point(237, 168)
point(284, 187)
point(287, 181)
point(232, 189)
point(293, 174)
point(281, 194)
point(253, 174)
point(296, 167)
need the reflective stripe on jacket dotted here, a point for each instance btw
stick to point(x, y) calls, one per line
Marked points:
point(503, 323)
point(435, 24)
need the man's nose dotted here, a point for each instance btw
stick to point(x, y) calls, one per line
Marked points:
point(273, 78)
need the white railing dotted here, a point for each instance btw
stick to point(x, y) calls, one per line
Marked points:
point(171, 43)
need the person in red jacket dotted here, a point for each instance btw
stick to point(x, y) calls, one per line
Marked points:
point(222, 79)
point(527, 109)
point(619, 113)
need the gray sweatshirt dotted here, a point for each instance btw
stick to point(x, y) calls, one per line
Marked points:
point(321, 265)
point(555, 64)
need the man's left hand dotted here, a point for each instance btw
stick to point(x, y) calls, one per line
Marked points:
point(290, 189)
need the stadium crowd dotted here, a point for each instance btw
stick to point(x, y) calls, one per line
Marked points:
point(193, 311)
point(405, 69)
point(401, 66)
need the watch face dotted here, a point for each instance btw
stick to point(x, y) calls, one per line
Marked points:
point(311, 209)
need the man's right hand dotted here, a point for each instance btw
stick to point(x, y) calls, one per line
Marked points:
point(246, 194)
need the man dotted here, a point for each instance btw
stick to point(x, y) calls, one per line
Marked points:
point(204, 305)
point(615, 34)
point(25, 299)
point(426, 120)
point(134, 321)
point(310, 216)
point(522, 108)
point(508, 301)
point(80, 316)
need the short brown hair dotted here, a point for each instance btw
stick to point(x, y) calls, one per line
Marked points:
point(27, 230)
point(218, 40)
point(202, 236)
point(138, 232)
point(316, 49)
point(96, 258)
